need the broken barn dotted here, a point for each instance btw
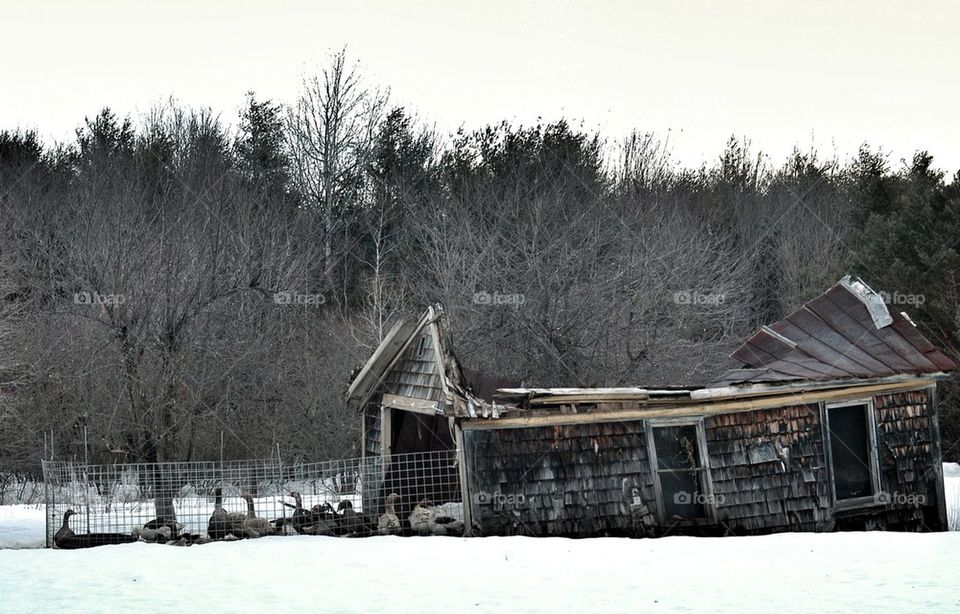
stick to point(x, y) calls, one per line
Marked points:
point(830, 423)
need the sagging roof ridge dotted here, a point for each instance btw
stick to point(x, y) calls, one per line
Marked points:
point(777, 362)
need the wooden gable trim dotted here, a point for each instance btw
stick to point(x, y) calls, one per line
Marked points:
point(426, 320)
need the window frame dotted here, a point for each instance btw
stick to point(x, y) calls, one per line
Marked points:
point(706, 481)
point(871, 500)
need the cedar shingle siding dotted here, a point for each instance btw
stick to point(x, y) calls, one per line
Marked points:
point(574, 480)
point(768, 470)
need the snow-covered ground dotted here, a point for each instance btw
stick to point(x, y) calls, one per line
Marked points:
point(790, 572)
point(840, 572)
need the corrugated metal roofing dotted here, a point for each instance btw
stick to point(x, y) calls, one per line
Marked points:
point(847, 332)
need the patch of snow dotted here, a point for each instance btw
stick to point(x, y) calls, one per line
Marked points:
point(951, 470)
point(22, 526)
point(951, 491)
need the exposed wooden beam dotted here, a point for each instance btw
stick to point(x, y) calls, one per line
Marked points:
point(697, 409)
point(412, 404)
point(729, 392)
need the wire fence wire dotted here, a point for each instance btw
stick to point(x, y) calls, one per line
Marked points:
point(177, 502)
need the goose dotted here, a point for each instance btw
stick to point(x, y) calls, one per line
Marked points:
point(325, 513)
point(159, 530)
point(422, 518)
point(350, 522)
point(66, 539)
point(446, 525)
point(149, 534)
point(260, 526)
point(223, 523)
point(323, 521)
point(301, 518)
point(320, 528)
point(65, 532)
point(158, 522)
point(389, 523)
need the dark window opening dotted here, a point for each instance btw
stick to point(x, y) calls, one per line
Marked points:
point(850, 451)
point(679, 471)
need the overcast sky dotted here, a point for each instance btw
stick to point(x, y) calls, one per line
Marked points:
point(829, 74)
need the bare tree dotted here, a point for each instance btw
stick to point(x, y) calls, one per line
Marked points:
point(331, 128)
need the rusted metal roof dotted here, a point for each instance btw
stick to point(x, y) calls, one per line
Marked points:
point(847, 332)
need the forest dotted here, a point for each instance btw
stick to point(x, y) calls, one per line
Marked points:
point(177, 277)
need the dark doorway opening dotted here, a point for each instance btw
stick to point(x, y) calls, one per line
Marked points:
point(850, 451)
point(679, 470)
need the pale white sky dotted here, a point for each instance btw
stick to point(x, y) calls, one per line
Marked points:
point(827, 72)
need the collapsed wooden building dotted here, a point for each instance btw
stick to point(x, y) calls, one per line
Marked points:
point(829, 424)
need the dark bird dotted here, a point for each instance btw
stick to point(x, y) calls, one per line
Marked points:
point(223, 523)
point(319, 520)
point(301, 518)
point(446, 525)
point(66, 539)
point(351, 523)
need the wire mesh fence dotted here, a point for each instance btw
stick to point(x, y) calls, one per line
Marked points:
point(194, 502)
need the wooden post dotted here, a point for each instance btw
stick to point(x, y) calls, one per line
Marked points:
point(933, 401)
point(363, 432)
point(464, 485)
point(386, 438)
point(386, 434)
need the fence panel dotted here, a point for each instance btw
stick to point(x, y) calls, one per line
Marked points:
point(346, 496)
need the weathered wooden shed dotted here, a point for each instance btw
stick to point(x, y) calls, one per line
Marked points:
point(829, 423)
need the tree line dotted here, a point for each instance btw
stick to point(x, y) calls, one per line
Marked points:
point(170, 280)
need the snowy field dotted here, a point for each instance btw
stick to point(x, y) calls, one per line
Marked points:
point(790, 572)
